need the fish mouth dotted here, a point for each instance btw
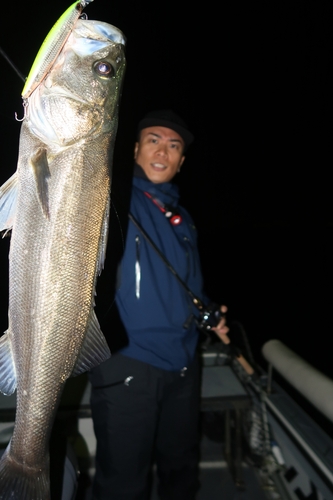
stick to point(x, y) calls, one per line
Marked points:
point(89, 37)
point(100, 31)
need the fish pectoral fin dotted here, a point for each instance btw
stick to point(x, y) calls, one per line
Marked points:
point(94, 350)
point(40, 167)
point(7, 366)
point(8, 203)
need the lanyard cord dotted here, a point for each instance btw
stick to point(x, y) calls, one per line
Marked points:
point(173, 217)
point(196, 301)
point(156, 201)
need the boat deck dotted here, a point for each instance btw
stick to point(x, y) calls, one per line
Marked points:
point(216, 479)
point(223, 471)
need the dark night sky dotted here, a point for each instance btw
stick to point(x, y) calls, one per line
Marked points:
point(254, 82)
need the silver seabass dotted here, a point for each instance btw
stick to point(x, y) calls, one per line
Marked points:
point(57, 205)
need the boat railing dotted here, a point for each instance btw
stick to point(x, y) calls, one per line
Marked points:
point(316, 387)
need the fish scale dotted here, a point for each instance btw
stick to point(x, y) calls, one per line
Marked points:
point(57, 205)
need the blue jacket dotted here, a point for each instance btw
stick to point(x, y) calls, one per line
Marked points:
point(152, 304)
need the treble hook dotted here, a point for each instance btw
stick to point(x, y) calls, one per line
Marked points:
point(25, 106)
point(84, 3)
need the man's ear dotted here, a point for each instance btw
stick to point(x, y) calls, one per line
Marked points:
point(136, 147)
point(180, 163)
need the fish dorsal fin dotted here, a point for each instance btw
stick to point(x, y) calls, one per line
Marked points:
point(40, 167)
point(94, 349)
point(7, 366)
point(8, 202)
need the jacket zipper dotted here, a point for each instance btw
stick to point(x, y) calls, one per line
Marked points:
point(137, 267)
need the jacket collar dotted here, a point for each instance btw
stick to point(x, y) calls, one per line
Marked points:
point(167, 192)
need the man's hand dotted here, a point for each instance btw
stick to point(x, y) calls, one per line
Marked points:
point(221, 329)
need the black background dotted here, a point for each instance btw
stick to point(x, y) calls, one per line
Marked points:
point(254, 82)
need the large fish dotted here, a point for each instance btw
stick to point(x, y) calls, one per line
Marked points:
point(57, 206)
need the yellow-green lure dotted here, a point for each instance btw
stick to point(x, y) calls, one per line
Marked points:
point(52, 46)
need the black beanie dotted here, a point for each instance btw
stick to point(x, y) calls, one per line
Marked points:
point(167, 118)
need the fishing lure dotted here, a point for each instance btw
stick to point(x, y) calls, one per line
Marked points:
point(50, 49)
point(52, 46)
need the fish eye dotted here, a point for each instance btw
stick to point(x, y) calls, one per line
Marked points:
point(104, 68)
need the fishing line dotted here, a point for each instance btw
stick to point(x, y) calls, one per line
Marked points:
point(10, 62)
point(196, 301)
point(18, 72)
point(119, 224)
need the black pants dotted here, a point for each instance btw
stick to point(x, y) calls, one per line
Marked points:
point(154, 417)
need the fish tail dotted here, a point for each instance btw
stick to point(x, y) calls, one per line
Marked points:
point(19, 482)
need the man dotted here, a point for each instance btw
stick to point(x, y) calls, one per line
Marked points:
point(154, 414)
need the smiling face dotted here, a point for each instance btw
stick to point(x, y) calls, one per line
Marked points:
point(159, 152)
